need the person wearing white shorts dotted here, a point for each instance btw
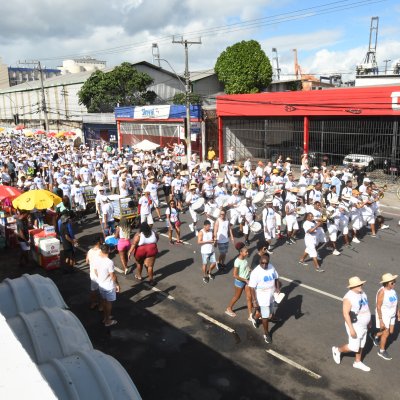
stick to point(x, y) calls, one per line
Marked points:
point(269, 223)
point(310, 239)
point(357, 318)
point(292, 225)
point(386, 312)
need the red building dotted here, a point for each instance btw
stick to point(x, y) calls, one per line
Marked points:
point(331, 122)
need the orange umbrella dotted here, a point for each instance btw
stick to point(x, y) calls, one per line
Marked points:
point(69, 133)
point(51, 134)
point(20, 127)
point(40, 132)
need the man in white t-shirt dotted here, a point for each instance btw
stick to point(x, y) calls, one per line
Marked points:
point(107, 281)
point(145, 208)
point(263, 283)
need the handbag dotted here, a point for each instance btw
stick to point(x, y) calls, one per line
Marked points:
point(353, 317)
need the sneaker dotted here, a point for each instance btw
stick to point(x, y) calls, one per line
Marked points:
point(253, 321)
point(206, 279)
point(362, 366)
point(319, 269)
point(211, 276)
point(355, 240)
point(288, 242)
point(384, 354)
point(385, 227)
point(161, 219)
point(336, 354)
point(373, 235)
point(336, 252)
point(374, 339)
point(303, 263)
point(293, 241)
point(267, 338)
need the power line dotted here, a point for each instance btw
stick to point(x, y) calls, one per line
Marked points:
point(249, 24)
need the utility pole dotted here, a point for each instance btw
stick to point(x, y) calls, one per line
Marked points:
point(186, 44)
point(44, 107)
point(386, 63)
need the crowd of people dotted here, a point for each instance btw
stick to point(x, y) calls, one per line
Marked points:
point(266, 203)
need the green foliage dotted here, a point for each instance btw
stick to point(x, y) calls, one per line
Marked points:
point(295, 86)
point(244, 68)
point(180, 98)
point(124, 85)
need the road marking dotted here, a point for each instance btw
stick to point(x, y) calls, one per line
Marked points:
point(311, 288)
point(165, 235)
point(168, 296)
point(385, 206)
point(294, 364)
point(215, 322)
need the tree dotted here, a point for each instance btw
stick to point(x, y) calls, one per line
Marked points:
point(180, 98)
point(244, 68)
point(123, 86)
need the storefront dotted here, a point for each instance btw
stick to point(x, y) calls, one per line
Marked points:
point(163, 124)
point(329, 123)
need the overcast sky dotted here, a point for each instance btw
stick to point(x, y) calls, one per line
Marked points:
point(330, 36)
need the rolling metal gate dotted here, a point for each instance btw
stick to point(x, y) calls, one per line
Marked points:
point(330, 138)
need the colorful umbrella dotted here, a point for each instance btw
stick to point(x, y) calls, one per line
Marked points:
point(8, 192)
point(39, 199)
point(51, 134)
point(40, 132)
point(28, 134)
point(69, 133)
point(20, 127)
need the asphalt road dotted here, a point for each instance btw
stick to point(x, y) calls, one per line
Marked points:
point(171, 349)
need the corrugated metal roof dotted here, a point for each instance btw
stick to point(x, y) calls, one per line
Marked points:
point(198, 75)
point(27, 294)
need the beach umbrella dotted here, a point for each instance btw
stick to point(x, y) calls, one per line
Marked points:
point(39, 199)
point(8, 192)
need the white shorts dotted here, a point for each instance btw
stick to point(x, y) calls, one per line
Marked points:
point(146, 218)
point(235, 216)
point(278, 220)
point(246, 227)
point(369, 219)
point(291, 223)
point(344, 228)
point(359, 342)
point(194, 215)
point(269, 232)
point(156, 202)
point(387, 320)
point(332, 231)
point(357, 222)
point(310, 249)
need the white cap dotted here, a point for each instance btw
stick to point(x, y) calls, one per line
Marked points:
point(77, 183)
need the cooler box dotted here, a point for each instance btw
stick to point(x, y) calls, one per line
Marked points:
point(39, 236)
point(49, 247)
point(49, 263)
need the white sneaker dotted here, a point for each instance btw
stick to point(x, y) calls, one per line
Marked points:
point(355, 240)
point(362, 366)
point(191, 227)
point(336, 354)
point(336, 252)
point(384, 227)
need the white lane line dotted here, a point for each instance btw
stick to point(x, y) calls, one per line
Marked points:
point(385, 206)
point(294, 364)
point(165, 235)
point(215, 322)
point(332, 296)
point(168, 296)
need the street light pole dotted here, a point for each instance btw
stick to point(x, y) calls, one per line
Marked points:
point(187, 94)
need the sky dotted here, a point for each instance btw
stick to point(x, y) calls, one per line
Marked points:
point(330, 36)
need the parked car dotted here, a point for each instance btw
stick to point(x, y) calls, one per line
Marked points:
point(359, 160)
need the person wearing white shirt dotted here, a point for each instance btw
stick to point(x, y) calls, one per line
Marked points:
point(310, 239)
point(145, 208)
point(263, 284)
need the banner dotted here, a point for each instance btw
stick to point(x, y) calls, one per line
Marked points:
point(152, 112)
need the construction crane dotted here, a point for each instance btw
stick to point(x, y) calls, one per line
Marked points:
point(369, 66)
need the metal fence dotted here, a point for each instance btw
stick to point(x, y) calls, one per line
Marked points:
point(330, 139)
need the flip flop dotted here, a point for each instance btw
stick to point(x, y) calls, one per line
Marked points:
point(139, 278)
point(230, 313)
point(111, 323)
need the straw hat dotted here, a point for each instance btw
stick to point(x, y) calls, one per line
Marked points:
point(268, 200)
point(388, 277)
point(220, 180)
point(355, 281)
point(192, 186)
